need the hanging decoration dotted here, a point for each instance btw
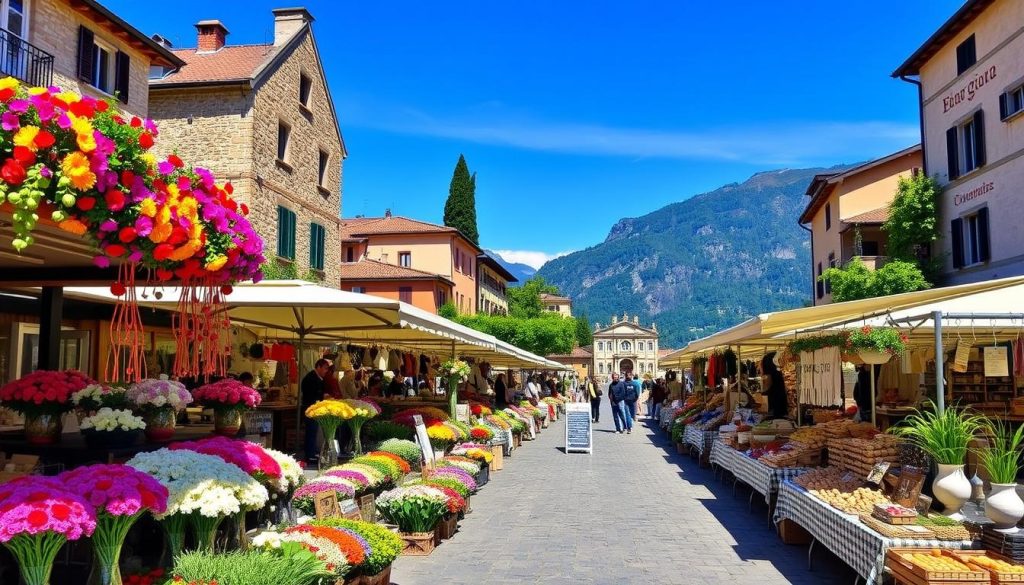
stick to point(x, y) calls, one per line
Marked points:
point(126, 360)
point(202, 330)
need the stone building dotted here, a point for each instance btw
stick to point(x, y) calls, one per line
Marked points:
point(625, 346)
point(262, 117)
point(580, 358)
point(81, 46)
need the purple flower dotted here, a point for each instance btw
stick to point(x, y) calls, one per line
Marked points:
point(164, 168)
point(19, 106)
point(101, 261)
point(144, 225)
point(108, 225)
point(45, 172)
point(64, 121)
point(135, 256)
point(10, 121)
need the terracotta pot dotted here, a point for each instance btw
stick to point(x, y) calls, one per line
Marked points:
point(381, 578)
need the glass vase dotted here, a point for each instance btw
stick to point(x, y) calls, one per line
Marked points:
point(328, 454)
point(43, 429)
point(205, 530)
point(35, 575)
point(227, 421)
point(237, 539)
point(174, 538)
point(160, 424)
point(357, 441)
point(106, 568)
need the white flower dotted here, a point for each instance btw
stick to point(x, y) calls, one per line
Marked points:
point(267, 539)
point(291, 471)
point(108, 419)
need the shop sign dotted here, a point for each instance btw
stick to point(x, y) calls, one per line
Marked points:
point(969, 90)
point(578, 429)
point(975, 193)
point(350, 511)
point(462, 413)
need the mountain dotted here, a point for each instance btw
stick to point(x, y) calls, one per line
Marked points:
point(521, 271)
point(700, 265)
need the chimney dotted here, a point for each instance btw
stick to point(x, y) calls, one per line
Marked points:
point(288, 21)
point(211, 36)
point(387, 213)
point(162, 41)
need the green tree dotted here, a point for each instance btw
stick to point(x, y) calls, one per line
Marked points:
point(856, 281)
point(524, 301)
point(584, 332)
point(449, 311)
point(543, 335)
point(460, 208)
point(913, 223)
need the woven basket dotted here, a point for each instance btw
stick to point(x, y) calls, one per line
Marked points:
point(893, 531)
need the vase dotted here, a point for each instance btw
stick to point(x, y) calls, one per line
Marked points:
point(43, 429)
point(35, 575)
point(237, 538)
point(870, 356)
point(1003, 506)
point(106, 569)
point(227, 421)
point(160, 424)
point(328, 453)
point(951, 487)
point(357, 440)
point(205, 530)
point(117, 439)
point(174, 538)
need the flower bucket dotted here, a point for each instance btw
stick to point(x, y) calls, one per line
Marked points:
point(227, 421)
point(43, 429)
point(381, 578)
point(483, 476)
point(118, 439)
point(447, 527)
point(498, 463)
point(419, 544)
point(160, 424)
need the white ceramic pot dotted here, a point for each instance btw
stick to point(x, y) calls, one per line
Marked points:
point(1003, 506)
point(951, 487)
point(874, 357)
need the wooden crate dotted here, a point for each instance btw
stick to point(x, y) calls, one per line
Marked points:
point(792, 533)
point(419, 544)
point(498, 463)
point(997, 576)
point(908, 572)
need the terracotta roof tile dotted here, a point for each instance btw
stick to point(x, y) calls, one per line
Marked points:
point(231, 63)
point(365, 226)
point(879, 215)
point(554, 298)
point(374, 270)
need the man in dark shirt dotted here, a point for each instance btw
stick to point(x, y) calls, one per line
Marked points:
point(311, 390)
point(617, 397)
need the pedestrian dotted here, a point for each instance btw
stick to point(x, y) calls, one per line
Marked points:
point(645, 396)
point(629, 402)
point(533, 390)
point(501, 400)
point(617, 396)
point(658, 395)
point(778, 398)
point(594, 396)
point(312, 391)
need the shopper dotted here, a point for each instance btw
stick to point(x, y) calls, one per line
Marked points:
point(501, 400)
point(645, 396)
point(658, 394)
point(593, 394)
point(312, 391)
point(778, 398)
point(617, 396)
point(629, 402)
point(533, 390)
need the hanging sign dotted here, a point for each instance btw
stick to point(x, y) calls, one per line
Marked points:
point(350, 510)
point(821, 377)
point(996, 361)
point(962, 357)
point(579, 433)
point(424, 440)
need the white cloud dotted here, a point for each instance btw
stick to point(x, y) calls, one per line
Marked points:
point(529, 257)
point(780, 143)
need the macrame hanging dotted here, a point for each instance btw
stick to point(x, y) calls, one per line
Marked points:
point(202, 330)
point(126, 359)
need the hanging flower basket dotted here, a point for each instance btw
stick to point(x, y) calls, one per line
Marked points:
point(871, 342)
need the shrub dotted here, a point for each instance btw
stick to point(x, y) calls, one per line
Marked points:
point(407, 450)
point(384, 430)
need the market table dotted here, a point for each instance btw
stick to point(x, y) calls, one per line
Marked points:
point(762, 479)
point(699, 439)
point(845, 535)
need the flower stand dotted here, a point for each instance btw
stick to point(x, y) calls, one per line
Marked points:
point(417, 543)
point(447, 527)
point(498, 463)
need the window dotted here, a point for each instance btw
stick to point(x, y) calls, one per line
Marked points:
point(99, 63)
point(625, 346)
point(600, 368)
point(305, 89)
point(600, 346)
point(442, 298)
point(458, 259)
point(650, 346)
point(284, 137)
point(285, 233)
point(359, 289)
point(971, 239)
point(350, 254)
point(469, 265)
point(828, 216)
point(831, 264)
point(965, 146)
point(317, 242)
point(405, 294)
point(405, 259)
point(552, 308)
point(1011, 103)
point(321, 176)
point(966, 55)
point(869, 248)
point(819, 285)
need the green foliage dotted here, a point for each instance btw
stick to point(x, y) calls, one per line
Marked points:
point(913, 217)
point(449, 311)
point(584, 332)
point(943, 436)
point(856, 281)
point(546, 334)
point(817, 342)
point(251, 568)
point(1002, 457)
point(460, 208)
point(383, 430)
point(404, 448)
point(524, 301)
point(278, 270)
point(678, 428)
point(883, 339)
point(385, 546)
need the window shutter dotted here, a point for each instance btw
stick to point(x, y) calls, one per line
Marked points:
point(1004, 103)
point(952, 153)
point(958, 243)
point(86, 54)
point(122, 68)
point(979, 137)
point(984, 249)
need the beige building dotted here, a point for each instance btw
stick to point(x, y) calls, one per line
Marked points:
point(970, 76)
point(492, 285)
point(262, 117)
point(625, 347)
point(846, 212)
point(580, 358)
point(556, 304)
point(80, 46)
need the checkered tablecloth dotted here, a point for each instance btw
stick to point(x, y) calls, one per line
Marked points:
point(761, 478)
point(857, 545)
point(701, 440)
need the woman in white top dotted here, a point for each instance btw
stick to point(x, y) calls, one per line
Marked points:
point(533, 391)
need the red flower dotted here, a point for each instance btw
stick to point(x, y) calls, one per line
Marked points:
point(163, 274)
point(23, 155)
point(145, 139)
point(12, 172)
point(162, 251)
point(114, 198)
point(44, 139)
point(37, 518)
point(245, 209)
point(115, 250)
point(82, 109)
point(127, 178)
point(174, 160)
point(86, 203)
point(6, 94)
point(117, 289)
point(127, 235)
point(102, 106)
point(136, 122)
point(229, 188)
point(60, 511)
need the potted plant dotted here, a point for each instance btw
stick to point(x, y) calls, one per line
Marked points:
point(229, 399)
point(416, 509)
point(42, 397)
point(1001, 458)
point(876, 345)
point(95, 396)
point(456, 371)
point(112, 428)
point(159, 400)
point(945, 437)
point(361, 411)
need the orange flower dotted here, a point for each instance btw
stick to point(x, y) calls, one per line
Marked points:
point(160, 233)
point(217, 263)
point(73, 226)
point(76, 167)
point(185, 251)
point(26, 136)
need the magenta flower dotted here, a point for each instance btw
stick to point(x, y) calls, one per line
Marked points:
point(10, 121)
point(118, 490)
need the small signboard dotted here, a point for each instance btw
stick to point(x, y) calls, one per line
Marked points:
point(579, 432)
point(368, 508)
point(350, 510)
point(424, 441)
point(878, 472)
point(326, 504)
point(462, 413)
point(908, 488)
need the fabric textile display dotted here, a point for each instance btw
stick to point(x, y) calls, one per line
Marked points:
point(821, 376)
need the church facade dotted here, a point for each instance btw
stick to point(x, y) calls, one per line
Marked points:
point(625, 346)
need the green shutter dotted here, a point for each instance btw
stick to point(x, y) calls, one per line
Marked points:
point(317, 237)
point(285, 233)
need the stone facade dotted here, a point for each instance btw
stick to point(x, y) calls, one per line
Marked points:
point(624, 346)
point(233, 130)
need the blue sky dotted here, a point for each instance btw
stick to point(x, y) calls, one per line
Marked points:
point(575, 114)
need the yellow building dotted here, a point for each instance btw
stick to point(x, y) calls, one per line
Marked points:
point(556, 304)
point(580, 358)
point(849, 204)
point(625, 347)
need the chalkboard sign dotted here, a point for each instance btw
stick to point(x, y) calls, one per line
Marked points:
point(578, 431)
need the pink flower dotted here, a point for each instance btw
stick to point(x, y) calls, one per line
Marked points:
point(36, 505)
point(249, 457)
point(118, 490)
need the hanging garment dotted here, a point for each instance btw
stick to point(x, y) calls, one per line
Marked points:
point(394, 360)
point(424, 365)
point(367, 360)
point(409, 365)
point(806, 376)
point(1018, 357)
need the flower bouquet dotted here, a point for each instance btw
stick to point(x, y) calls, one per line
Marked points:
point(416, 509)
point(42, 397)
point(441, 437)
point(120, 495)
point(456, 371)
point(473, 451)
point(391, 465)
point(373, 476)
point(362, 411)
point(359, 480)
point(341, 549)
point(159, 400)
point(384, 547)
point(329, 414)
point(464, 463)
point(95, 396)
point(228, 398)
point(37, 516)
point(110, 428)
point(445, 472)
point(479, 410)
point(481, 434)
point(204, 489)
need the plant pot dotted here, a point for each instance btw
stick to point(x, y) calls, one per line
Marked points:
point(118, 439)
point(160, 424)
point(951, 487)
point(417, 543)
point(227, 421)
point(106, 569)
point(381, 578)
point(43, 429)
point(498, 463)
point(483, 476)
point(447, 527)
point(870, 356)
point(1003, 506)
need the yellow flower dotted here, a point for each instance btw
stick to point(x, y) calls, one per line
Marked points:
point(83, 128)
point(76, 167)
point(149, 158)
point(37, 90)
point(69, 97)
point(148, 207)
point(331, 408)
point(26, 136)
point(86, 142)
point(217, 263)
point(9, 83)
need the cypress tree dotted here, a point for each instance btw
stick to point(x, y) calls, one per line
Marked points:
point(460, 208)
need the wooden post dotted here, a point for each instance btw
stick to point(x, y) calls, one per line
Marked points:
point(51, 313)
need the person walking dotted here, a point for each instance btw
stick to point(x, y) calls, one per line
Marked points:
point(632, 394)
point(594, 395)
point(645, 396)
point(617, 395)
point(658, 395)
point(312, 391)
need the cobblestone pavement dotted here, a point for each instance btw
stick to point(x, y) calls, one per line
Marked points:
point(632, 512)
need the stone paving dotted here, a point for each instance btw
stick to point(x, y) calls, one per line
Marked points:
point(632, 512)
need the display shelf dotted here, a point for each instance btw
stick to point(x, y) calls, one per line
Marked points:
point(973, 386)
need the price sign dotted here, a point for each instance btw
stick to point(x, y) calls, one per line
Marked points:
point(878, 472)
point(424, 440)
point(367, 508)
point(462, 413)
point(350, 510)
point(326, 504)
point(578, 430)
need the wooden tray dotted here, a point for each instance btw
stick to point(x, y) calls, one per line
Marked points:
point(997, 576)
point(892, 530)
point(912, 572)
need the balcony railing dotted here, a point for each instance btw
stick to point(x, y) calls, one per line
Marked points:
point(27, 62)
